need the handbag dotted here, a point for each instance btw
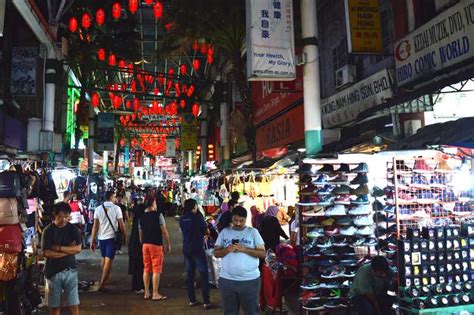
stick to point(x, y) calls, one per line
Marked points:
point(265, 188)
point(10, 239)
point(118, 236)
point(9, 211)
point(8, 266)
point(251, 187)
point(9, 184)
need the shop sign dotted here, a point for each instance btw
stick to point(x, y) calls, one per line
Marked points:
point(23, 72)
point(271, 97)
point(270, 40)
point(443, 42)
point(170, 148)
point(189, 127)
point(284, 130)
point(105, 132)
point(364, 26)
point(346, 105)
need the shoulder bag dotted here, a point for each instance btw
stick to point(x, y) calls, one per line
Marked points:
point(118, 236)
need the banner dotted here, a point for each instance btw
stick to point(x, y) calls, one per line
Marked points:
point(270, 40)
point(170, 148)
point(443, 42)
point(364, 26)
point(105, 132)
point(189, 127)
point(23, 71)
point(346, 105)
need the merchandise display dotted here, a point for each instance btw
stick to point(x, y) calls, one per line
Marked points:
point(336, 220)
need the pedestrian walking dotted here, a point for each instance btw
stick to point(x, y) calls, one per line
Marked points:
point(61, 241)
point(153, 232)
point(240, 248)
point(135, 255)
point(194, 229)
point(108, 221)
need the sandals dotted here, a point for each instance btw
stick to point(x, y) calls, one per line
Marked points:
point(161, 298)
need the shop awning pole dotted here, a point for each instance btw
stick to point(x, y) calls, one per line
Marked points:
point(311, 84)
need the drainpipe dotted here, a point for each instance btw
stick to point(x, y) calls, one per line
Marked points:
point(312, 93)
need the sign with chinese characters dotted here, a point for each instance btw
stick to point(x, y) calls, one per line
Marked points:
point(189, 128)
point(346, 105)
point(364, 26)
point(270, 40)
point(105, 131)
point(443, 42)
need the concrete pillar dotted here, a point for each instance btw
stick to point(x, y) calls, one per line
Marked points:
point(311, 85)
point(91, 140)
point(49, 96)
point(204, 127)
point(225, 143)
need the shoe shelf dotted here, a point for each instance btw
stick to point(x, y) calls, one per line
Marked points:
point(337, 233)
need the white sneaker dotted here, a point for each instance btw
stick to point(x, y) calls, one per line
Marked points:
point(349, 231)
point(361, 210)
point(365, 231)
point(363, 220)
point(336, 210)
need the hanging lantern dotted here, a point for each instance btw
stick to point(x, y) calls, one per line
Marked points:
point(155, 91)
point(183, 69)
point(122, 142)
point(204, 48)
point(178, 89)
point(133, 86)
point(100, 16)
point(158, 10)
point(95, 100)
point(86, 20)
point(73, 24)
point(134, 116)
point(182, 104)
point(101, 54)
point(130, 67)
point(112, 60)
point(148, 2)
point(196, 64)
point(140, 115)
point(122, 64)
point(133, 6)
point(159, 110)
point(174, 108)
point(116, 10)
point(195, 109)
point(195, 45)
point(169, 26)
point(136, 104)
point(171, 72)
point(210, 59)
point(190, 91)
point(184, 88)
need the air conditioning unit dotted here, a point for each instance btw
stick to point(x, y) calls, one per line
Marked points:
point(345, 75)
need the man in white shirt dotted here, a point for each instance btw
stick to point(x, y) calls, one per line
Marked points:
point(108, 220)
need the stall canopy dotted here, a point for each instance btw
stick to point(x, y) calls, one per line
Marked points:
point(459, 133)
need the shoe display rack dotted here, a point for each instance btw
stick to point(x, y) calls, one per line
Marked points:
point(432, 207)
point(337, 231)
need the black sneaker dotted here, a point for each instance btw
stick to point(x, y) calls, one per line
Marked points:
point(377, 206)
point(361, 168)
point(360, 179)
point(314, 306)
point(378, 192)
point(326, 169)
point(337, 303)
point(344, 168)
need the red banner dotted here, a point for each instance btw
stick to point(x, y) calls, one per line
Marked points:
point(282, 131)
point(271, 97)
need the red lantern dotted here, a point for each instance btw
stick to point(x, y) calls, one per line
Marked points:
point(158, 10)
point(86, 20)
point(101, 54)
point(122, 142)
point(136, 104)
point(159, 110)
point(133, 6)
point(95, 100)
point(171, 72)
point(182, 103)
point(190, 91)
point(133, 86)
point(116, 10)
point(204, 48)
point(174, 108)
point(73, 24)
point(195, 109)
point(210, 59)
point(210, 51)
point(183, 69)
point(148, 2)
point(195, 45)
point(122, 64)
point(100, 17)
point(169, 26)
point(112, 60)
point(178, 89)
point(196, 64)
point(128, 104)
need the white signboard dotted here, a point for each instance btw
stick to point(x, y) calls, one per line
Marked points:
point(170, 148)
point(346, 105)
point(443, 42)
point(270, 40)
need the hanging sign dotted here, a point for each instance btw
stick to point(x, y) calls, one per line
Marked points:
point(364, 26)
point(105, 132)
point(170, 148)
point(443, 42)
point(346, 105)
point(270, 40)
point(189, 133)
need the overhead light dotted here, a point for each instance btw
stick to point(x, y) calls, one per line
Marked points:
point(141, 61)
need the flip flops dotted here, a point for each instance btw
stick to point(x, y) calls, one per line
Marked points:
point(161, 298)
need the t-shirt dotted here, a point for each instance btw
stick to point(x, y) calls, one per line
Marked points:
point(150, 224)
point(105, 229)
point(366, 283)
point(60, 236)
point(239, 266)
point(193, 228)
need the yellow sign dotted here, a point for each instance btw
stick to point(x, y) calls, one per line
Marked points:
point(364, 26)
point(189, 128)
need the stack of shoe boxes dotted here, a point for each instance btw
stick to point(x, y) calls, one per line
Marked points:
point(436, 267)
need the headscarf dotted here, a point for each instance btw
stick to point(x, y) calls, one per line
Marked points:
point(255, 213)
point(272, 211)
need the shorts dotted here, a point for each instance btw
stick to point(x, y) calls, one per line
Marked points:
point(152, 258)
point(62, 281)
point(107, 248)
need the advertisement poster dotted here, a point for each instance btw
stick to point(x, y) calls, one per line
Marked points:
point(23, 73)
point(270, 40)
point(105, 132)
point(363, 22)
point(189, 128)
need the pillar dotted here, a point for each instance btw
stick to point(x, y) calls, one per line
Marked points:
point(225, 143)
point(50, 93)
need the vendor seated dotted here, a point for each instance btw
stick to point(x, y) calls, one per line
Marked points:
point(369, 288)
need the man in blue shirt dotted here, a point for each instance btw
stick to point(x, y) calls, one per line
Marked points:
point(194, 229)
point(240, 248)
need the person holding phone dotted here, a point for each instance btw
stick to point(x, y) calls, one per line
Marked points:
point(240, 248)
